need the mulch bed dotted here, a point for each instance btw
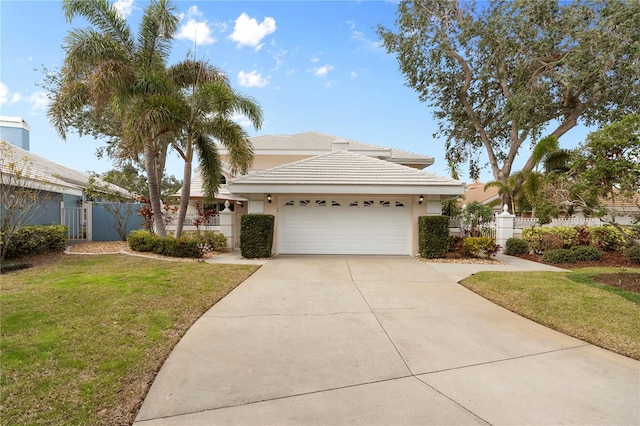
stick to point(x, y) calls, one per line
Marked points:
point(625, 280)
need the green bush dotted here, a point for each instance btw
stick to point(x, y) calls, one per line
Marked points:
point(632, 254)
point(433, 236)
point(215, 241)
point(475, 246)
point(586, 253)
point(558, 256)
point(143, 241)
point(542, 239)
point(256, 235)
point(38, 239)
point(516, 246)
point(607, 238)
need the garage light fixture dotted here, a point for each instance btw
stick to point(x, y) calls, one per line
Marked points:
point(269, 198)
point(421, 199)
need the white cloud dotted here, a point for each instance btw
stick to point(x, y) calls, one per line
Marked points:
point(252, 79)
point(241, 120)
point(194, 30)
point(279, 58)
point(248, 32)
point(39, 101)
point(314, 59)
point(124, 7)
point(323, 70)
point(359, 36)
point(354, 74)
point(4, 93)
point(16, 97)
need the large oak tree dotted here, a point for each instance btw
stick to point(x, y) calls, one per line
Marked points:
point(501, 75)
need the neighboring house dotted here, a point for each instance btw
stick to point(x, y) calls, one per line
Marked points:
point(334, 196)
point(475, 192)
point(62, 190)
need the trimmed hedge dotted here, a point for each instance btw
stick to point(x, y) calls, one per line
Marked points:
point(516, 246)
point(167, 246)
point(38, 239)
point(586, 253)
point(433, 236)
point(604, 237)
point(558, 256)
point(256, 235)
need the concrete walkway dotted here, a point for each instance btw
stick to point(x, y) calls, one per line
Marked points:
point(332, 340)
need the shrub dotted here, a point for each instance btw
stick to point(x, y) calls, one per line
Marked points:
point(542, 239)
point(168, 246)
point(215, 241)
point(516, 246)
point(632, 254)
point(586, 253)
point(38, 239)
point(256, 235)
point(607, 238)
point(456, 246)
point(433, 236)
point(474, 246)
point(558, 256)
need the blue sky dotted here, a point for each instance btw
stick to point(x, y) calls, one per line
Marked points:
point(312, 66)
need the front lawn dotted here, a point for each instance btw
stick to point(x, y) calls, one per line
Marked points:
point(570, 302)
point(83, 337)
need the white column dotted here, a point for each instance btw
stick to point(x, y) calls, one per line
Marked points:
point(227, 225)
point(504, 227)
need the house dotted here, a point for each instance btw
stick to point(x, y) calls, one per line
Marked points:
point(475, 192)
point(335, 196)
point(61, 190)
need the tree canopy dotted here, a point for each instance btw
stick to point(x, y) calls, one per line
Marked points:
point(501, 75)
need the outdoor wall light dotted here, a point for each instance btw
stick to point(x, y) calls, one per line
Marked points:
point(269, 198)
point(421, 199)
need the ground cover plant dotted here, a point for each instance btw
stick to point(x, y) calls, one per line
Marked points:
point(84, 336)
point(580, 303)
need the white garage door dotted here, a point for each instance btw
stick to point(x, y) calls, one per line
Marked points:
point(341, 225)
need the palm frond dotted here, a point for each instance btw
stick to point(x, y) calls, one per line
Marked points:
point(210, 165)
point(236, 140)
point(158, 27)
point(189, 73)
point(104, 16)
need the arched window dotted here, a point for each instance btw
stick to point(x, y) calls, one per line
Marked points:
point(223, 180)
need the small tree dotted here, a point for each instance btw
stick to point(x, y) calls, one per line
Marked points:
point(115, 201)
point(203, 216)
point(475, 217)
point(24, 195)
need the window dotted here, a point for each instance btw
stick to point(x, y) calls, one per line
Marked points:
point(385, 203)
point(335, 203)
point(353, 204)
point(223, 180)
point(399, 204)
point(303, 203)
point(368, 203)
point(290, 203)
point(321, 202)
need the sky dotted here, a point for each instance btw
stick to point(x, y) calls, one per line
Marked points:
point(311, 65)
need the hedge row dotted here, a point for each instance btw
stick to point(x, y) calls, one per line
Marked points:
point(37, 239)
point(605, 237)
point(433, 236)
point(167, 246)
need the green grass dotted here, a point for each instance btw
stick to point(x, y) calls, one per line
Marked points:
point(82, 338)
point(570, 302)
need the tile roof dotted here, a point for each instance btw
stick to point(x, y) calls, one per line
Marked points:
point(40, 169)
point(317, 143)
point(344, 168)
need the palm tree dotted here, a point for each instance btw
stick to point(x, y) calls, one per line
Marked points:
point(512, 190)
point(211, 105)
point(123, 78)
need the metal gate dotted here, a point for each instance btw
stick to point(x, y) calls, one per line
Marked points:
point(77, 221)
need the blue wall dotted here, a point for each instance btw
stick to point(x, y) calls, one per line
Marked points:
point(15, 136)
point(103, 222)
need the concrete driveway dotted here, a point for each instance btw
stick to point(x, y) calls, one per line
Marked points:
point(333, 340)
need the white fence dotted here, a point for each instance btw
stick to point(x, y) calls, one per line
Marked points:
point(212, 224)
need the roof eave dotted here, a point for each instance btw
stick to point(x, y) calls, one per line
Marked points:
point(254, 188)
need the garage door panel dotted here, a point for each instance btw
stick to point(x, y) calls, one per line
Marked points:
point(344, 226)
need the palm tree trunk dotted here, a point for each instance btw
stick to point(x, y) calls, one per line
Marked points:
point(185, 193)
point(154, 189)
